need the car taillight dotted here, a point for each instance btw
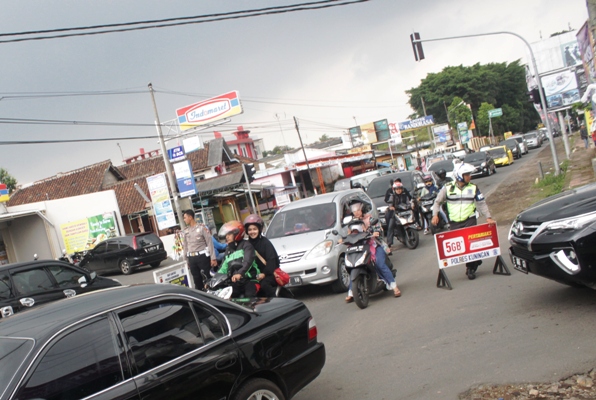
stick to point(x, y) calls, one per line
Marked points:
point(312, 329)
point(134, 243)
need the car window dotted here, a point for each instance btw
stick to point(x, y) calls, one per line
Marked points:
point(100, 248)
point(497, 152)
point(5, 286)
point(81, 363)
point(160, 332)
point(112, 246)
point(65, 276)
point(378, 187)
point(148, 240)
point(212, 328)
point(306, 219)
point(478, 156)
point(32, 281)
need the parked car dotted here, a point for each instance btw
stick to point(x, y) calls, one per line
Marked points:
point(512, 145)
point(412, 180)
point(301, 232)
point(534, 139)
point(482, 161)
point(556, 238)
point(501, 155)
point(523, 145)
point(32, 283)
point(447, 165)
point(159, 341)
point(543, 134)
point(359, 181)
point(125, 253)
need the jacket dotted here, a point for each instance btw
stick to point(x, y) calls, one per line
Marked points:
point(239, 258)
point(461, 202)
point(265, 248)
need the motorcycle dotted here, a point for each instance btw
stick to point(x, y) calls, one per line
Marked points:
point(426, 205)
point(77, 257)
point(406, 228)
point(220, 285)
point(360, 266)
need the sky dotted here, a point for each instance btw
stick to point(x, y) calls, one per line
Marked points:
point(330, 68)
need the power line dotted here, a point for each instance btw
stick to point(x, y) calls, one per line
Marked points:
point(163, 23)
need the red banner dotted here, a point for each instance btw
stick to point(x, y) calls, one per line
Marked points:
point(467, 244)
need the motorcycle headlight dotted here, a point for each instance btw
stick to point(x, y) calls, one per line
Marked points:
point(320, 250)
point(573, 223)
point(361, 259)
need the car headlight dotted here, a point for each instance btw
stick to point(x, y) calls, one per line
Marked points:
point(483, 165)
point(573, 223)
point(320, 250)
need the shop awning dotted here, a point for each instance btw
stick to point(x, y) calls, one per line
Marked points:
point(18, 214)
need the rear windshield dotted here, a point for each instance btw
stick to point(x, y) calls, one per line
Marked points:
point(148, 239)
point(306, 219)
point(446, 165)
point(480, 155)
point(519, 139)
point(12, 354)
point(379, 186)
point(531, 135)
point(498, 152)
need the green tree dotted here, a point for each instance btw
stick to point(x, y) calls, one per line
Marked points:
point(323, 138)
point(8, 180)
point(279, 150)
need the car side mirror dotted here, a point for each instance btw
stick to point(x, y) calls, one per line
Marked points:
point(82, 281)
point(335, 232)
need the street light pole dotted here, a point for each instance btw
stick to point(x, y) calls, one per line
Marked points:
point(417, 41)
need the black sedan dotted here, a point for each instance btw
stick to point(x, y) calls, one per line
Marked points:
point(556, 238)
point(27, 284)
point(157, 342)
point(482, 162)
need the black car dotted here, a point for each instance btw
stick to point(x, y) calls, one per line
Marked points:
point(159, 342)
point(412, 180)
point(556, 238)
point(482, 161)
point(125, 253)
point(27, 284)
point(513, 146)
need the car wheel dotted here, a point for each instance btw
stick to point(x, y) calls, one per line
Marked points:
point(259, 389)
point(125, 267)
point(155, 264)
point(343, 278)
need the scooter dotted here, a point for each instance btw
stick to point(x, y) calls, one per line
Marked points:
point(406, 228)
point(220, 285)
point(360, 266)
point(426, 205)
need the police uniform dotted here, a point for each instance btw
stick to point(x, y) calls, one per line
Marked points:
point(198, 252)
point(461, 208)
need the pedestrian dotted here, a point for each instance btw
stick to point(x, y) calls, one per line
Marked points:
point(584, 135)
point(594, 138)
point(198, 249)
point(267, 258)
point(462, 198)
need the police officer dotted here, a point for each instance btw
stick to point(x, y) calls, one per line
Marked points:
point(197, 249)
point(463, 198)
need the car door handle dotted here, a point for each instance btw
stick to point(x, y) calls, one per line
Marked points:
point(226, 362)
point(69, 293)
point(27, 301)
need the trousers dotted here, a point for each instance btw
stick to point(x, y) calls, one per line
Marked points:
point(196, 264)
point(464, 224)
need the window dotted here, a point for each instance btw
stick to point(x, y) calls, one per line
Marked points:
point(83, 362)
point(100, 249)
point(211, 327)
point(111, 246)
point(5, 286)
point(66, 277)
point(160, 332)
point(32, 281)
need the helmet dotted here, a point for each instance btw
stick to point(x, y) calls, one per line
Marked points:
point(398, 185)
point(356, 225)
point(253, 219)
point(462, 169)
point(357, 204)
point(234, 227)
point(442, 173)
point(427, 178)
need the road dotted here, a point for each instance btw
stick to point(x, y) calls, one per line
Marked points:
point(434, 343)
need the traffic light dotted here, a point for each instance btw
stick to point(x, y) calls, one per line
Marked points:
point(417, 47)
point(535, 95)
point(249, 171)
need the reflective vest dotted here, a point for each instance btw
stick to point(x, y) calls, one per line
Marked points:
point(461, 203)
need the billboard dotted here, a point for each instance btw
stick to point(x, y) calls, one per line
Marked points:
point(442, 133)
point(160, 197)
point(371, 132)
point(586, 51)
point(208, 111)
point(557, 52)
point(85, 233)
point(412, 124)
point(560, 89)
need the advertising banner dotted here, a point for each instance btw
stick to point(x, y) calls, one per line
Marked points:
point(160, 197)
point(560, 89)
point(467, 244)
point(442, 133)
point(586, 51)
point(205, 112)
point(382, 130)
point(372, 132)
point(412, 124)
point(4, 197)
point(185, 179)
point(85, 233)
point(174, 275)
point(176, 153)
point(395, 133)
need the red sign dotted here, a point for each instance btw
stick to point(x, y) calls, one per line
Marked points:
point(464, 245)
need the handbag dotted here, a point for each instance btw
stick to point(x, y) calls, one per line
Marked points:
point(281, 277)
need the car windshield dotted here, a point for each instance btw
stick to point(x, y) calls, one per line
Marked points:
point(12, 353)
point(519, 139)
point(306, 219)
point(530, 135)
point(378, 187)
point(497, 152)
point(509, 143)
point(478, 156)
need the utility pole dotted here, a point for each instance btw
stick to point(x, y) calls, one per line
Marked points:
point(304, 153)
point(430, 136)
point(166, 161)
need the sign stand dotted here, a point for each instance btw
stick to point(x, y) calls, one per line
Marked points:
point(500, 267)
point(443, 281)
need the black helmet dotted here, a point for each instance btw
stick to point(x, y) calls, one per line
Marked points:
point(442, 173)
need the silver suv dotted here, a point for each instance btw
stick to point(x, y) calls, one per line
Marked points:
point(301, 232)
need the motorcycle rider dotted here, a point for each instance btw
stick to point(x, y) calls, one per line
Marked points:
point(266, 256)
point(443, 179)
point(462, 198)
point(400, 196)
point(239, 260)
point(430, 188)
point(390, 213)
point(379, 254)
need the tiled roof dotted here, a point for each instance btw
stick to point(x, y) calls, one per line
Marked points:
point(85, 180)
point(129, 200)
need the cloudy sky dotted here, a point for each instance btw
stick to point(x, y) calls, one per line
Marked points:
point(330, 68)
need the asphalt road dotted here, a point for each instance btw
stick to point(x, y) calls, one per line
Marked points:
point(434, 343)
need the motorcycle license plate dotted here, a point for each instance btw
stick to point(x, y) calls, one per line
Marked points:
point(520, 264)
point(404, 213)
point(295, 281)
point(428, 203)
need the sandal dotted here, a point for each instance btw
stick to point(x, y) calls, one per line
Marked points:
point(349, 299)
point(396, 292)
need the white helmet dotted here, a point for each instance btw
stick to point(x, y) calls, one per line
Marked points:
point(461, 169)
